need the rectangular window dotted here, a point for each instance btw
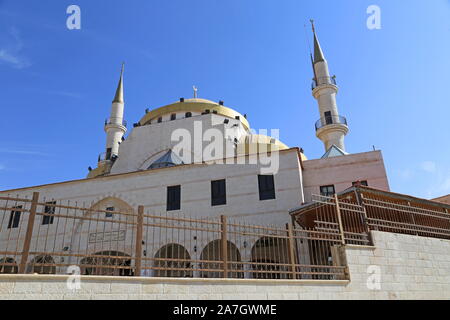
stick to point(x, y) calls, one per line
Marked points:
point(361, 182)
point(108, 214)
point(173, 116)
point(159, 119)
point(218, 192)
point(266, 187)
point(49, 209)
point(108, 153)
point(328, 117)
point(327, 191)
point(173, 198)
point(14, 218)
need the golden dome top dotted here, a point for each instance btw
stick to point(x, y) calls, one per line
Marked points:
point(194, 105)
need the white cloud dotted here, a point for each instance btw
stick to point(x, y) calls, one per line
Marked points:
point(13, 60)
point(11, 54)
point(429, 166)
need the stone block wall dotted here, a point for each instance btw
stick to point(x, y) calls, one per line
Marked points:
point(407, 267)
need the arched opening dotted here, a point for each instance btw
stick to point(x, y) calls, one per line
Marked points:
point(270, 258)
point(173, 260)
point(213, 252)
point(114, 263)
point(42, 265)
point(107, 228)
point(8, 265)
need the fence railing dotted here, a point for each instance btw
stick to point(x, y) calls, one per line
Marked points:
point(328, 120)
point(323, 80)
point(51, 237)
point(406, 219)
point(357, 220)
point(341, 217)
point(111, 121)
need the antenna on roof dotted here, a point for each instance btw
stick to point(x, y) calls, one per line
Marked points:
point(195, 91)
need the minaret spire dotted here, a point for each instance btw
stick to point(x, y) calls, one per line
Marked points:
point(119, 91)
point(115, 126)
point(331, 128)
point(318, 53)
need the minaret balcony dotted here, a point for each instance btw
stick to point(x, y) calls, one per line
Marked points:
point(109, 122)
point(330, 120)
point(106, 156)
point(323, 81)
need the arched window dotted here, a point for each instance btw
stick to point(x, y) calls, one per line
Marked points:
point(188, 114)
point(213, 252)
point(8, 265)
point(42, 265)
point(270, 258)
point(173, 260)
point(114, 263)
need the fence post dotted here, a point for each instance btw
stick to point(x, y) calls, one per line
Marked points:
point(291, 250)
point(138, 252)
point(29, 234)
point(365, 218)
point(338, 212)
point(224, 242)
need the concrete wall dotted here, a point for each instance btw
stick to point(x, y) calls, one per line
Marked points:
point(149, 188)
point(342, 171)
point(411, 268)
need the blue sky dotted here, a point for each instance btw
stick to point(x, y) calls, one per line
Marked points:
point(57, 84)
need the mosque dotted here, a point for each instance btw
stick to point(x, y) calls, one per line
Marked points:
point(164, 167)
point(145, 169)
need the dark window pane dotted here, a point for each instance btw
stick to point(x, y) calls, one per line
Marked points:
point(328, 118)
point(14, 218)
point(49, 210)
point(327, 191)
point(361, 182)
point(173, 116)
point(108, 153)
point(218, 192)
point(266, 187)
point(107, 214)
point(173, 198)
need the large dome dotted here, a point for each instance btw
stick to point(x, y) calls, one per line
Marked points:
point(194, 105)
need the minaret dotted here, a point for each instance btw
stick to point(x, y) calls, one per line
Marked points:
point(331, 128)
point(115, 126)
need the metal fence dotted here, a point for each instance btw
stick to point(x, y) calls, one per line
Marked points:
point(406, 218)
point(50, 237)
point(355, 215)
point(341, 217)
